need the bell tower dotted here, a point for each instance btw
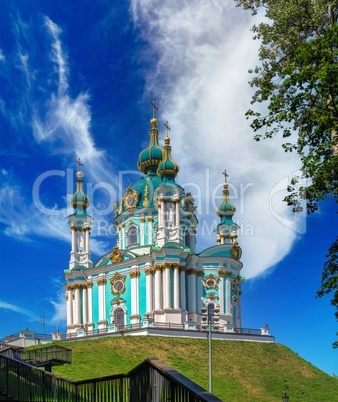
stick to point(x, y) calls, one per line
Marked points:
point(80, 224)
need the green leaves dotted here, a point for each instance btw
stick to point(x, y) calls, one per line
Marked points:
point(297, 80)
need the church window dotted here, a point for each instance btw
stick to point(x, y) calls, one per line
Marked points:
point(119, 318)
point(169, 212)
point(132, 236)
point(187, 239)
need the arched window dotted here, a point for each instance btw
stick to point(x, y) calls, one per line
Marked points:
point(187, 238)
point(119, 318)
point(132, 235)
point(155, 232)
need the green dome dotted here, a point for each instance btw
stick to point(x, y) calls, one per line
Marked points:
point(167, 167)
point(140, 194)
point(150, 157)
point(79, 200)
point(226, 208)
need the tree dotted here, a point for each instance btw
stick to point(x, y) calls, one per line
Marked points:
point(297, 79)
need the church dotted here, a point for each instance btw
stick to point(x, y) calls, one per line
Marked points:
point(153, 276)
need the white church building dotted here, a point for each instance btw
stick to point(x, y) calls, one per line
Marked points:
point(153, 277)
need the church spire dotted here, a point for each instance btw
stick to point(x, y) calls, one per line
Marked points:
point(167, 167)
point(79, 200)
point(80, 224)
point(150, 157)
point(227, 228)
point(226, 209)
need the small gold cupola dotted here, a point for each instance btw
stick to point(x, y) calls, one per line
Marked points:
point(150, 157)
point(167, 168)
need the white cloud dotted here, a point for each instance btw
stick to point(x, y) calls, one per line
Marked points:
point(204, 50)
point(66, 121)
point(17, 309)
point(35, 219)
point(59, 305)
point(2, 56)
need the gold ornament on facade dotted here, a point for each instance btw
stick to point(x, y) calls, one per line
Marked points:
point(130, 199)
point(116, 255)
point(235, 251)
point(192, 271)
point(228, 274)
point(149, 271)
point(102, 281)
point(221, 273)
point(146, 193)
point(134, 274)
point(118, 284)
point(210, 281)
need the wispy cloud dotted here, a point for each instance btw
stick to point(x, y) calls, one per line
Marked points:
point(16, 309)
point(2, 56)
point(204, 50)
point(58, 304)
point(34, 219)
point(57, 119)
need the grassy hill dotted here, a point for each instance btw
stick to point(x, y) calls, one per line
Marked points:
point(242, 371)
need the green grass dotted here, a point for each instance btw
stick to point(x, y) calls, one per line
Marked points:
point(242, 371)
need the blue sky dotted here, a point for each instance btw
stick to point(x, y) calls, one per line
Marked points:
point(76, 80)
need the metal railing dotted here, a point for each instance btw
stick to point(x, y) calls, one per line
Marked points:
point(152, 380)
point(40, 356)
point(161, 325)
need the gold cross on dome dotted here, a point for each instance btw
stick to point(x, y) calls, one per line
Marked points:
point(225, 175)
point(79, 164)
point(154, 107)
point(166, 125)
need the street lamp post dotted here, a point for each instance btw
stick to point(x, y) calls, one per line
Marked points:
point(42, 321)
point(211, 309)
point(210, 317)
point(285, 397)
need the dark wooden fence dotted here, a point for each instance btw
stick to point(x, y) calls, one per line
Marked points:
point(151, 381)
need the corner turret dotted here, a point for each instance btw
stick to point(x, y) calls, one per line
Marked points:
point(80, 224)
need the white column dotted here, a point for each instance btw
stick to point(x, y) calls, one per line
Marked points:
point(160, 208)
point(177, 214)
point(158, 288)
point(182, 289)
point(87, 241)
point(77, 306)
point(73, 239)
point(123, 237)
point(239, 309)
point(102, 301)
point(192, 291)
point(176, 287)
point(134, 317)
point(69, 298)
point(228, 293)
point(150, 230)
point(166, 287)
point(221, 291)
point(163, 211)
point(84, 305)
point(142, 232)
point(149, 290)
point(90, 302)
point(199, 292)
